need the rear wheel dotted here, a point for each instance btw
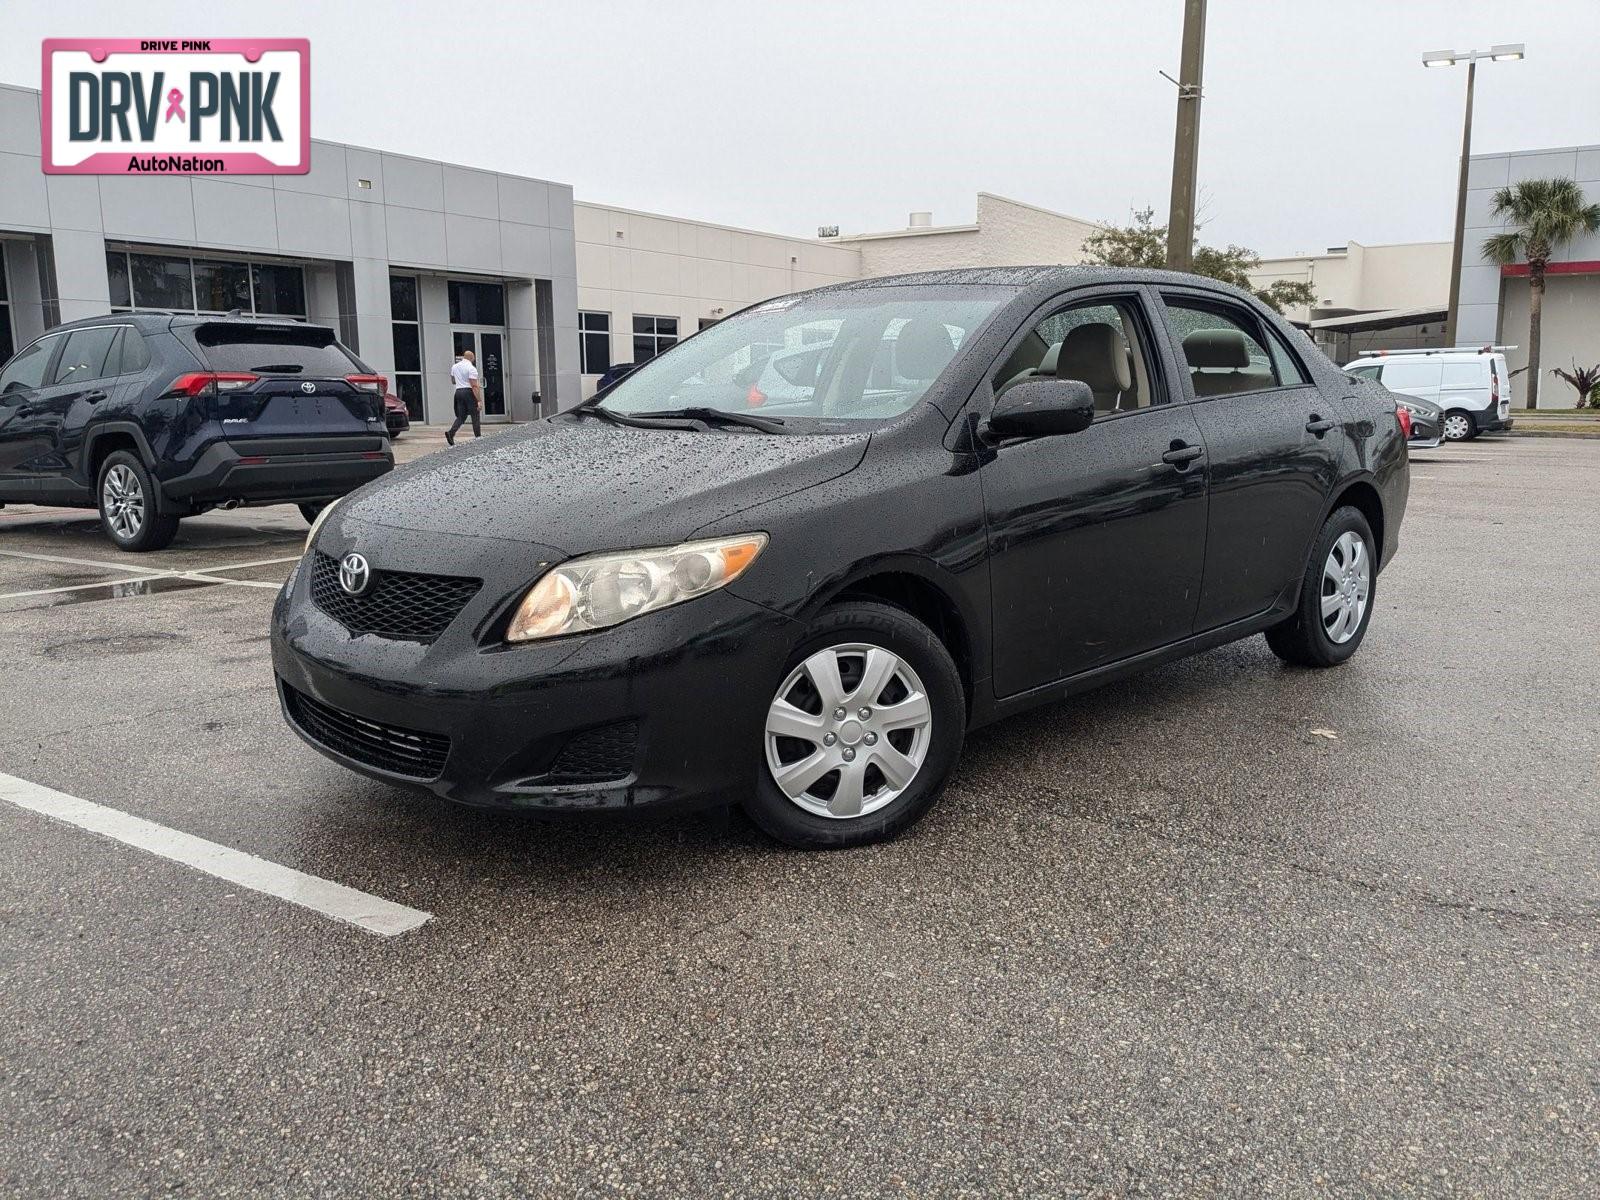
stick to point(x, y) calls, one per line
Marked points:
point(861, 732)
point(127, 500)
point(1459, 426)
point(1336, 596)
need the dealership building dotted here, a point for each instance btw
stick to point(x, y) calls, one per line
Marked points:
point(412, 260)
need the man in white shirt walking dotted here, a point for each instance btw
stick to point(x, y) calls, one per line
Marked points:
point(469, 395)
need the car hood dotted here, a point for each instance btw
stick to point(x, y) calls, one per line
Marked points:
point(579, 488)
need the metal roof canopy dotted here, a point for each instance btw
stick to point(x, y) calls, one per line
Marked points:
point(1392, 318)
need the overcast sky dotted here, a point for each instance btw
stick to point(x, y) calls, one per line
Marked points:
point(1319, 123)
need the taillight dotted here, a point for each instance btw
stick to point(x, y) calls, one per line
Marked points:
point(1404, 415)
point(1494, 386)
point(755, 397)
point(368, 383)
point(197, 382)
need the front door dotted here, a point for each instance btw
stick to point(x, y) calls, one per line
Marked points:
point(24, 436)
point(1096, 538)
point(488, 347)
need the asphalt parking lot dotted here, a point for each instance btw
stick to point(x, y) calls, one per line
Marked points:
point(1230, 928)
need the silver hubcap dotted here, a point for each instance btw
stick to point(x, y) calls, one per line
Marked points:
point(1456, 427)
point(1346, 584)
point(848, 730)
point(122, 501)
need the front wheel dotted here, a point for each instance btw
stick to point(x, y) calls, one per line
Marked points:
point(861, 732)
point(127, 500)
point(1336, 596)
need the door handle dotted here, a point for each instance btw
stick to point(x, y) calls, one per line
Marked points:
point(1180, 456)
point(95, 396)
point(1318, 425)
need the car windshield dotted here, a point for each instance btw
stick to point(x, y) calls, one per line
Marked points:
point(817, 363)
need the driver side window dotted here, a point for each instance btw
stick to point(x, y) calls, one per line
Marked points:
point(1098, 343)
point(25, 372)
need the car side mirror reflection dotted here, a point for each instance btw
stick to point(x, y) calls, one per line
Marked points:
point(1042, 408)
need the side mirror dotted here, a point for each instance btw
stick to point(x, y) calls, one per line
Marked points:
point(1041, 407)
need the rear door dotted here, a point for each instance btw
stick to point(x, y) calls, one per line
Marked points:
point(287, 380)
point(1272, 439)
point(1467, 385)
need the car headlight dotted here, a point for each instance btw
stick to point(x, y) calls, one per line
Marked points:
point(327, 511)
point(608, 589)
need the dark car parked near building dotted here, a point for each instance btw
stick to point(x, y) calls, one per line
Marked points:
point(999, 487)
point(152, 417)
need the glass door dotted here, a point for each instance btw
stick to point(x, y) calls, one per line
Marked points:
point(488, 347)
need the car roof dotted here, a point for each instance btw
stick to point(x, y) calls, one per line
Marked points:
point(154, 321)
point(1043, 280)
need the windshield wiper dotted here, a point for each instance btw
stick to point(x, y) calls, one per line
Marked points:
point(616, 418)
point(712, 416)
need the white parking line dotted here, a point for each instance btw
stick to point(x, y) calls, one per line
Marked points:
point(86, 562)
point(370, 913)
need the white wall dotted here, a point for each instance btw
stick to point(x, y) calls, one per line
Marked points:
point(1007, 233)
point(634, 263)
point(1569, 331)
point(1366, 278)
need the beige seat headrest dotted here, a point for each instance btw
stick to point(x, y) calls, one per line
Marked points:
point(1224, 349)
point(1097, 355)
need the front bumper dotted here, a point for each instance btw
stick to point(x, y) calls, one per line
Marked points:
point(666, 709)
point(275, 470)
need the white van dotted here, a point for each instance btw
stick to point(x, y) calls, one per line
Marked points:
point(1473, 387)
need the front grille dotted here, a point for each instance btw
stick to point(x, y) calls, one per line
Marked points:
point(407, 752)
point(596, 755)
point(399, 604)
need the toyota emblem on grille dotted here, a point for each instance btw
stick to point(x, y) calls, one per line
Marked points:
point(308, 387)
point(354, 574)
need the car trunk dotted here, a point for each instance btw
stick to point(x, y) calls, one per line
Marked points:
point(287, 380)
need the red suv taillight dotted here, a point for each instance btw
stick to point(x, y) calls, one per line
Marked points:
point(368, 383)
point(197, 382)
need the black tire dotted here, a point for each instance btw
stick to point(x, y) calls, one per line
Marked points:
point(878, 625)
point(312, 510)
point(1464, 415)
point(126, 497)
point(1302, 639)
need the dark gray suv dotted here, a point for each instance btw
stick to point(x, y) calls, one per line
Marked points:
point(152, 417)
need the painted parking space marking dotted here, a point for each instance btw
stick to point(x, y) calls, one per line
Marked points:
point(373, 914)
point(149, 583)
point(86, 562)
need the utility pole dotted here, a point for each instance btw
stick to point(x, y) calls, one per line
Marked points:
point(1185, 150)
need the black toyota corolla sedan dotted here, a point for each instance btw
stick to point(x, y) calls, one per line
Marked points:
point(789, 563)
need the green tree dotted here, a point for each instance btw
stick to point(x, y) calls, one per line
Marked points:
point(1143, 243)
point(1545, 214)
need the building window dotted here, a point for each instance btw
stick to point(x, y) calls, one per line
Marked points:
point(594, 342)
point(477, 303)
point(652, 335)
point(405, 316)
point(7, 339)
point(198, 285)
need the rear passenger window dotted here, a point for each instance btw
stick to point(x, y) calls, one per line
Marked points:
point(26, 371)
point(85, 355)
point(1400, 375)
point(1464, 375)
point(1221, 347)
point(1290, 373)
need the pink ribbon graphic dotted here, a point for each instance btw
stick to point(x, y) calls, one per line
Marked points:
point(175, 105)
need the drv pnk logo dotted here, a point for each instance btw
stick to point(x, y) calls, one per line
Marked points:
point(210, 106)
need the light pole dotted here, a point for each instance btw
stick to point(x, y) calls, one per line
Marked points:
point(1449, 58)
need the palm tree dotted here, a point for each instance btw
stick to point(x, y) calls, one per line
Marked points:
point(1545, 215)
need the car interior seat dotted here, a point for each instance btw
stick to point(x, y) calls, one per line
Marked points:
point(1097, 354)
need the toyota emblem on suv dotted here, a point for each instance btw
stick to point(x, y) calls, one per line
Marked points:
point(354, 574)
point(308, 387)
